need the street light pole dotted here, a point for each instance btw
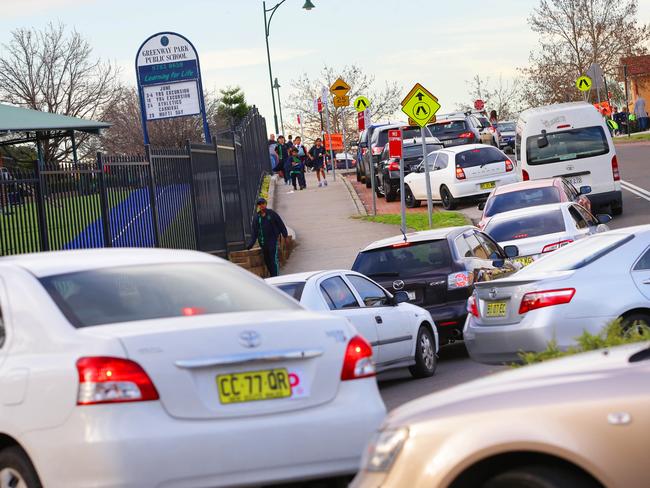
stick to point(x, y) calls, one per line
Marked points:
point(267, 26)
point(276, 85)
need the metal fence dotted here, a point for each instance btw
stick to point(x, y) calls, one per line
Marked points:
point(198, 197)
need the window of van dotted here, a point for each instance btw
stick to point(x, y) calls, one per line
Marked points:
point(585, 142)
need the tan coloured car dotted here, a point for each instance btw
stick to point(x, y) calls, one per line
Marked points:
point(578, 422)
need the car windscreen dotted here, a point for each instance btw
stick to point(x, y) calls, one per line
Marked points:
point(447, 127)
point(144, 292)
point(404, 260)
point(529, 197)
point(292, 289)
point(506, 126)
point(381, 138)
point(579, 254)
point(525, 226)
point(567, 145)
point(479, 157)
point(415, 151)
point(485, 123)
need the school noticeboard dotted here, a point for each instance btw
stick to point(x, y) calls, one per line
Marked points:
point(337, 142)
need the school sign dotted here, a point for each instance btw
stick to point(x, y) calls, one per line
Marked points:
point(169, 80)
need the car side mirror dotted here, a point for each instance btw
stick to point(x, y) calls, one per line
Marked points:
point(584, 190)
point(498, 263)
point(511, 251)
point(542, 141)
point(603, 218)
point(481, 206)
point(400, 297)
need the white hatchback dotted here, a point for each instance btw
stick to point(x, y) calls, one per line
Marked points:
point(460, 172)
point(143, 367)
point(401, 334)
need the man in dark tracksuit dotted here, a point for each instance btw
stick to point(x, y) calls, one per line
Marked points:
point(267, 228)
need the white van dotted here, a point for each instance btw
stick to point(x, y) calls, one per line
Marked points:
point(570, 140)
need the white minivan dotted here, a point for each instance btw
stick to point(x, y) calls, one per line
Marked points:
point(570, 140)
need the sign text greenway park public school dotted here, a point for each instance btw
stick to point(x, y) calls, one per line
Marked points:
point(167, 54)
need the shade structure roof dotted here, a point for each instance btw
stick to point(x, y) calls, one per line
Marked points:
point(18, 119)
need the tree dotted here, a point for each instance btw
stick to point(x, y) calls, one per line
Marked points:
point(54, 71)
point(232, 106)
point(573, 34)
point(502, 96)
point(384, 101)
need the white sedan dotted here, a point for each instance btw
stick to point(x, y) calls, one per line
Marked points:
point(400, 333)
point(144, 367)
point(461, 172)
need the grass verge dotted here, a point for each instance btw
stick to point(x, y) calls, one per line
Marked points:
point(612, 335)
point(645, 136)
point(420, 221)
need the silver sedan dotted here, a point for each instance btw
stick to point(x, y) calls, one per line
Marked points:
point(580, 287)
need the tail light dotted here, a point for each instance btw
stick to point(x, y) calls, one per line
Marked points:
point(615, 172)
point(393, 166)
point(376, 151)
point(461, 279)
point(358, 360)
point(460, 174)
point(509, 165)
point(541, 299)
point(112, 380)
point(472, 307)
point(524, 174)
point(556, 245)
point(466, 135)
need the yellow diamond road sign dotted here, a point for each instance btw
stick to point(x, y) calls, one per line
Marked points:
point(341, 101)
point(583, 83)
point(420, 105)
point(361, 103)
point(339, 88)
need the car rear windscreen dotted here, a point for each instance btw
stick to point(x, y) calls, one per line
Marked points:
point(145, 292)
point(292, 289)
point(407, 133)
point(479, 157)
point(506, 126)
point(447, 127)
point(404, 260)
point(526, 226)
point(513, 200)
point(415, 151)
point(567, 145)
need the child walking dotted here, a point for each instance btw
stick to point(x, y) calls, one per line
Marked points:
point(297, 170)
point(317, 155)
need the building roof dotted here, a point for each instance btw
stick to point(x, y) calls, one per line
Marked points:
point(18, 119)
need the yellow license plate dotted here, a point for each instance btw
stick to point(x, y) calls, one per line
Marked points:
point(489, 185)
point(496, 309)
point(525, 260)
point(252, 386)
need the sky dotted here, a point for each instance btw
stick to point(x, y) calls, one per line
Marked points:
point(440, 44)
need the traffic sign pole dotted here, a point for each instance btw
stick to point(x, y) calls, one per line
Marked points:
point(327, 121)
point(372, 175)
point(426, 176)
point(345, 151)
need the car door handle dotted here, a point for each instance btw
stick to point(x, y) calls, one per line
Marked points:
point(378, 319)
point(646, 282)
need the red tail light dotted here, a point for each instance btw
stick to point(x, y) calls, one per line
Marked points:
point(460, 174)
point(472, 308)
point(393, 166)
point(524, 174)
point(556, 245)
point(541, 299)
point(112, 380)
point(509, 165)
point(466, 135)
point(364, 150)
point(358, 360)
point(615, 172)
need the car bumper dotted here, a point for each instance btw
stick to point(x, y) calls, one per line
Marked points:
point(606, 198)
point(498, 344)
point(139, 444)
point(449, 319)
point(472, 189)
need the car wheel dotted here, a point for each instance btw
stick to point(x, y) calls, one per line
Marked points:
point(411, 202)
point(636, 322)
point(448, 201)
point(368, 181)
point(425, 355)
point(538, 476)
point(389, 192)
point(617, 209)
point(378, 188)
point(358, 175)
point(16, 470)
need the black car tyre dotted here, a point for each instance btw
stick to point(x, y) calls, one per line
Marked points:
point(358, 175)
point(17, 470)
point(389, 192)
point(425, 355)
point(411, 202)
point(617, 208)
point(448, 201)
point(635, 322)
point(378, 188)
point(540, 476)
point(368, 181)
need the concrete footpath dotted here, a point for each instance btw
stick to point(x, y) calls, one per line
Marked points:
point(326, 235)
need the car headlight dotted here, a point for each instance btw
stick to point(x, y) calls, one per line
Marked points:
point(383, 449)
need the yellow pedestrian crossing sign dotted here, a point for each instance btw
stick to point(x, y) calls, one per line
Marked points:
point(361, 103)
point(420, 105)
point(583, 83)
point(339, 88)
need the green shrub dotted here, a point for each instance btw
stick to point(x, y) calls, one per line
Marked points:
point(612, 335)
point(264, 190)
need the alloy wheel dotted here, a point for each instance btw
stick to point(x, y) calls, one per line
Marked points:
point(427, 351)
point(10, 478)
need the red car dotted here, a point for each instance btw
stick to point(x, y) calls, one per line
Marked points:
point(530, 194)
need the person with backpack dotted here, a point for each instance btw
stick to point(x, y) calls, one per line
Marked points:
point(317, 157)
point(297, 171)
point(302, 153)
point(283, 166)
point(267, 227)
